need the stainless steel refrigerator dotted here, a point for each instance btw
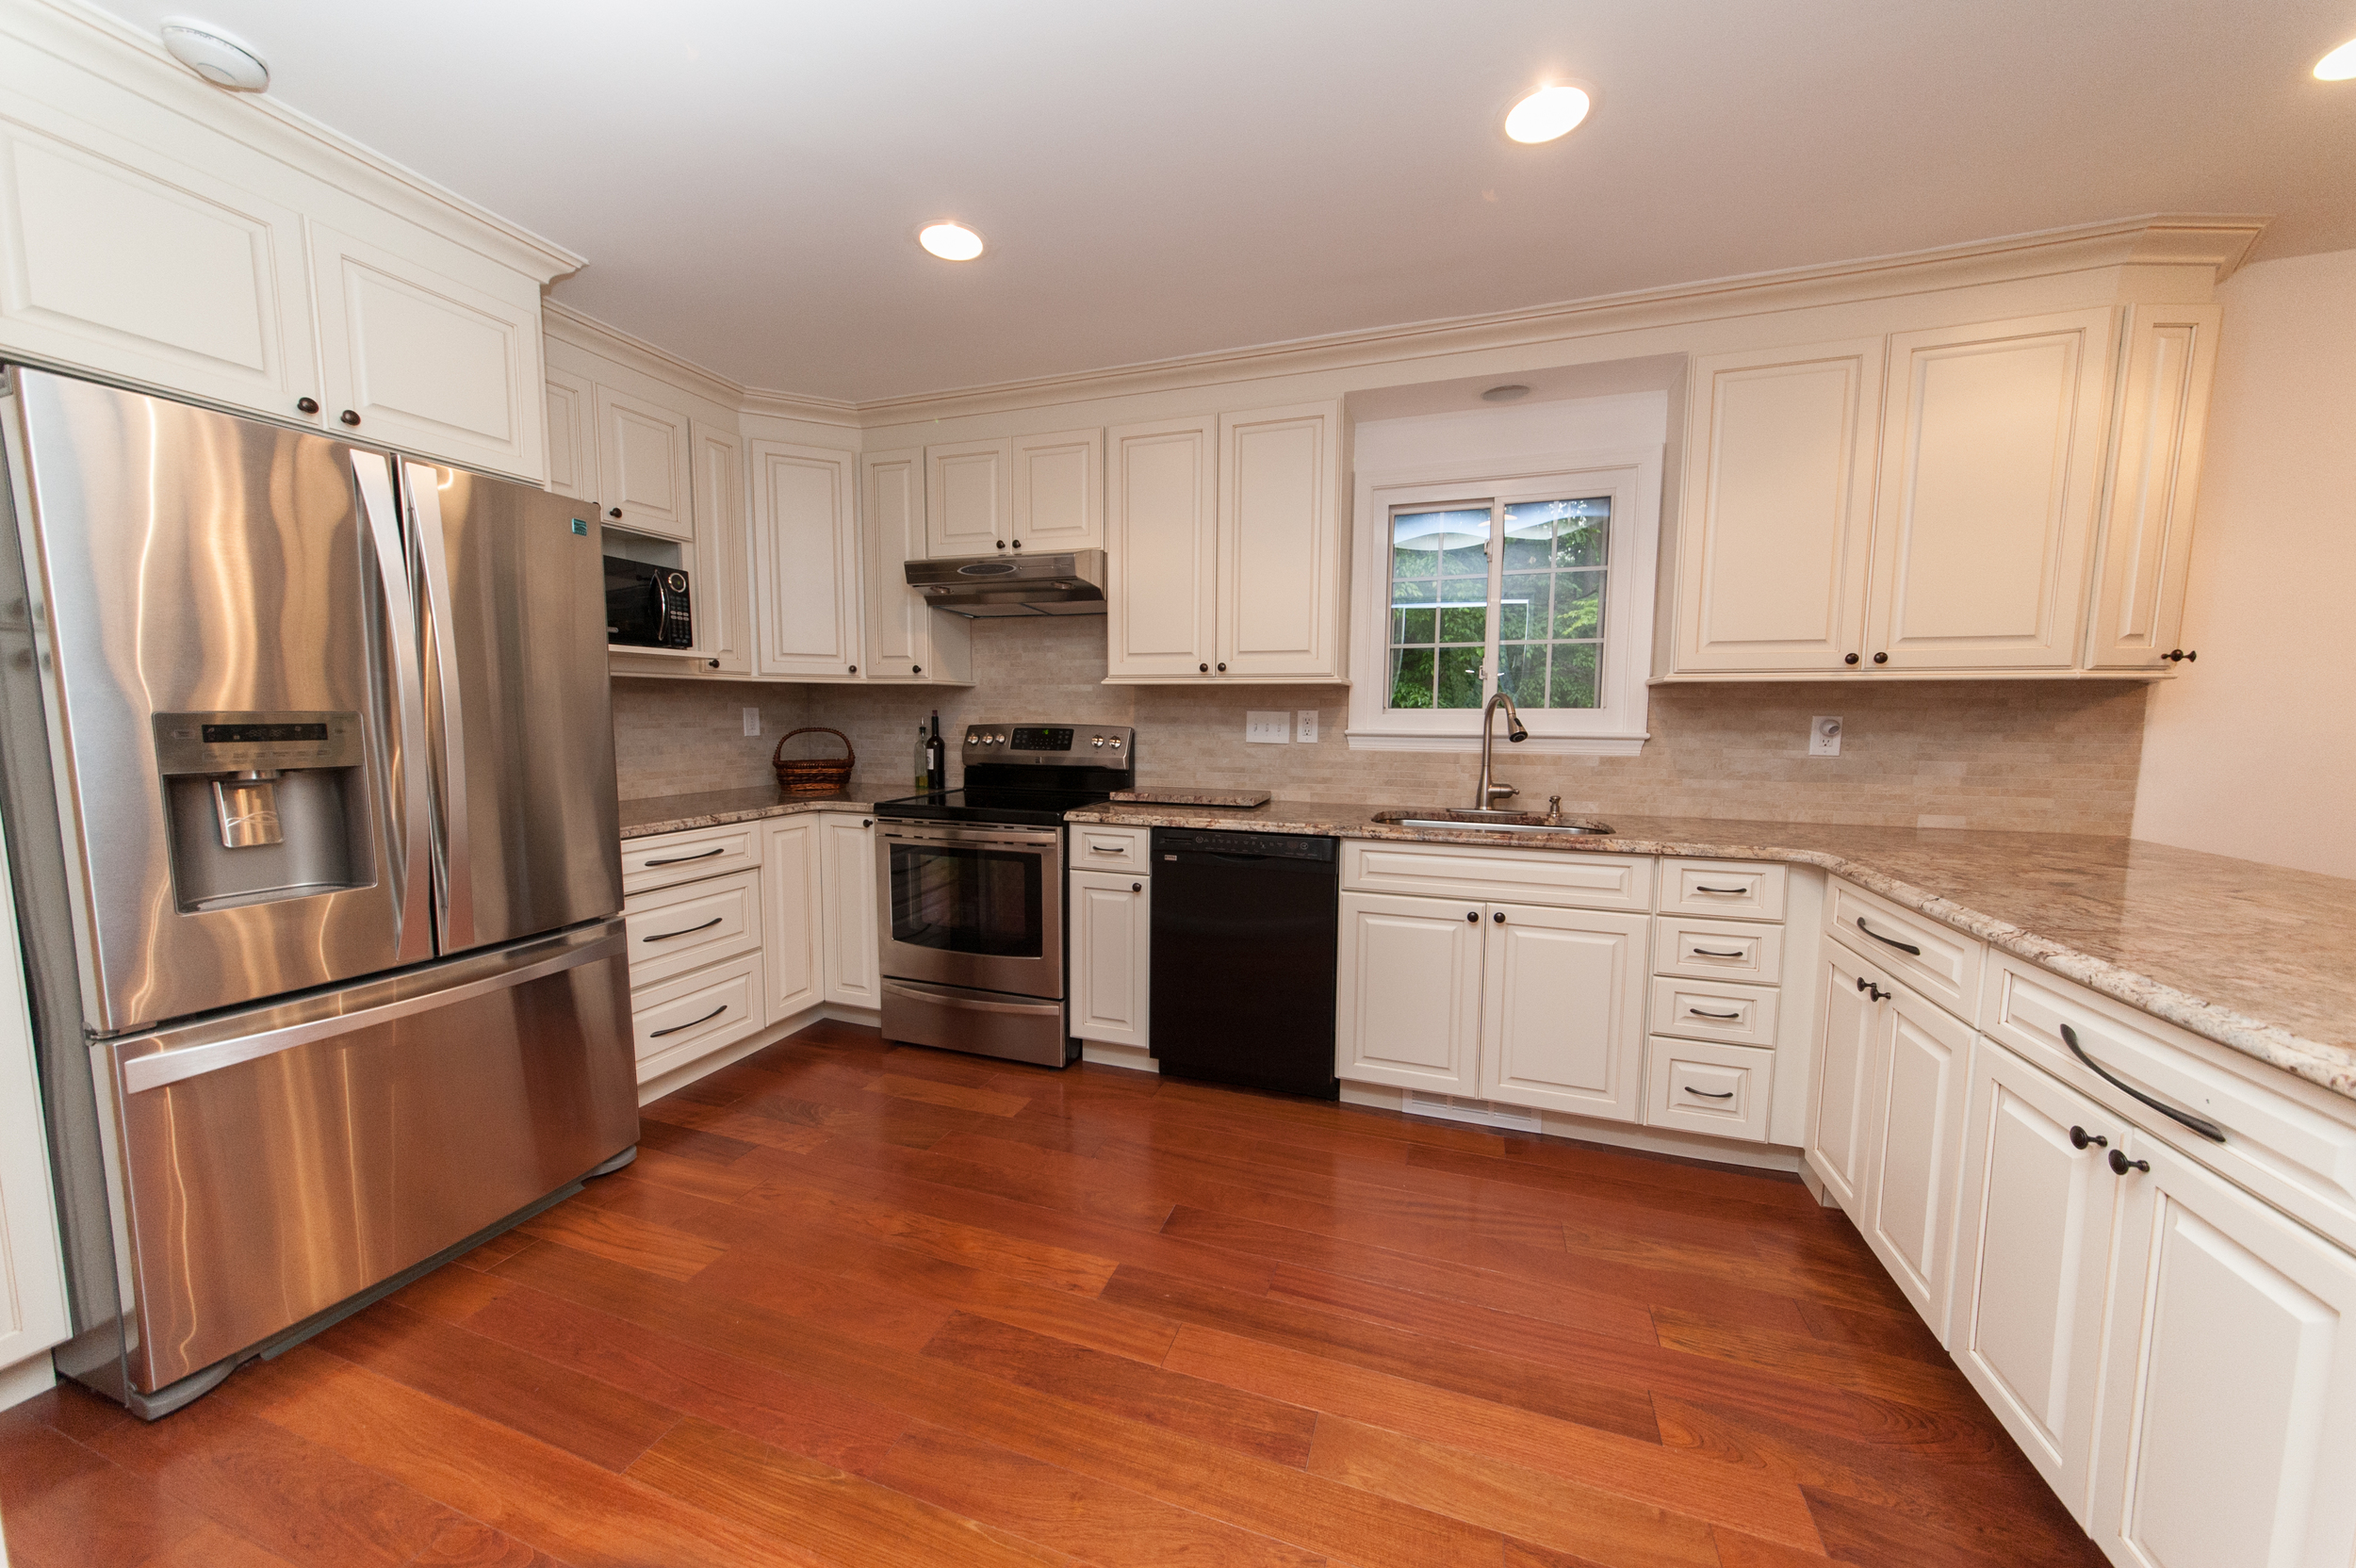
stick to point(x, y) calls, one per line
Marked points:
point(310, 799)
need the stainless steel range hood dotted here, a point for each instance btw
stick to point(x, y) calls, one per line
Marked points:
point(1070, 584)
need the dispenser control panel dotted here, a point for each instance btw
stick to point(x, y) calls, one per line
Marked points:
point(190, 744)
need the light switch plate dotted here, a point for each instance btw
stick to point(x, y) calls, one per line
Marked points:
point(1305, 726)
point(752, 721)
point(1268, 727)
point(1824, 736)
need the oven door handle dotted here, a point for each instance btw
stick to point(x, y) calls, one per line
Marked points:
point(966, 1004)
point(1016, 838)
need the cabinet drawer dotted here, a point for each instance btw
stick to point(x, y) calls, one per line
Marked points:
point(672, 930)
point(1718, 950)
point(1935, 959)
point(1566, 879)
point(1111, 848)
point(1700, 1009)
point(673, 857)
point(1719, 1089)
point(683, 1019)
point(1737, 890)
point(2295, 1147)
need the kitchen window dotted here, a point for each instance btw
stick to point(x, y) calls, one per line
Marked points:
point(1529, 582)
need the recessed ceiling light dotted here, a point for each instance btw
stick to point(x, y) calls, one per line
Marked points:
point(219, 57)
point(949, 242)
point(2339, 65)
point(1548, 113)
point(1505, 394)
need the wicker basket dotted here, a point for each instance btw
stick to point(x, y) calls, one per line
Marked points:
point(813, 776)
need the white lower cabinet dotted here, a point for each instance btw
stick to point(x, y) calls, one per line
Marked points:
point(1700, 1087)
point(2031, 1253)
point(849, 968)
point(1111, 915)
point(1408, 1005)
point(794, 914)
point(2228, 1428)
point(1838, 1142)
point(1562, 1009)
point(678, 1020)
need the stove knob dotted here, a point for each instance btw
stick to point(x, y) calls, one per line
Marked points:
point(972, 739)
point(1115, 742)
point(1098, 742)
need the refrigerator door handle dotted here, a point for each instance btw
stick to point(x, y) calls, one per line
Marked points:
point(423, 487)
point(166, 1064)
point(374, 475)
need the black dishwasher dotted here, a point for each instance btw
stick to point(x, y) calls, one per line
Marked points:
point(1245, 933)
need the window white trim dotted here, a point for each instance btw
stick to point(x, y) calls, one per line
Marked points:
point(1616, 728)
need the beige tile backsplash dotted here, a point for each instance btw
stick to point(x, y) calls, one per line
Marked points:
point(2056, 755)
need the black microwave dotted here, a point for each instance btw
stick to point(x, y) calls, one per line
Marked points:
point(646, 606)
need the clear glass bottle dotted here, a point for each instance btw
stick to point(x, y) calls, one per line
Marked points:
point(924, 759)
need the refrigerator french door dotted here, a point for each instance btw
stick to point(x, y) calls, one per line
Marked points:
point(309, 789)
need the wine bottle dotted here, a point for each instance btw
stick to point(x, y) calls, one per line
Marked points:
point(937, 755)
point(923, 757)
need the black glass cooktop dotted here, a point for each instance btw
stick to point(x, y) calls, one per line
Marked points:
point(1028, 807)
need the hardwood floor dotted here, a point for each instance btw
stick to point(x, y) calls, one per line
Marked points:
point(865, 1305)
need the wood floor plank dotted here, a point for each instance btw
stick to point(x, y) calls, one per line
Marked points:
point(470, 1544)
point(686, 1142)
point(1528, 1505)
point(657, 1248)
point(452, 1293)
point(1869, 1372)
point(1023, 1173)
point(1737, 1549)
point(604, 1425)
point(956, 1097)
point(1675, 1479)
point(721, 1183)
point(983, 1246)
point(1091, 1520)
point(842, 1517)
point(1150, 1395)
point(68, 1508)
point(1857, 1531)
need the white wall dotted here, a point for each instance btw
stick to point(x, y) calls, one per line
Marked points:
point(2252, 751)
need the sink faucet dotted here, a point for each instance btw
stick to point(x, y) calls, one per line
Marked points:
point(1489, 791)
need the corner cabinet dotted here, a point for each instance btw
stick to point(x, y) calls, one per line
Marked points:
point(1226, 543)
point(850, 969)
point(806, 560)
point(2007, 498)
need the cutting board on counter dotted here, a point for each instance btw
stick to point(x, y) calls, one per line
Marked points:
point(1244, 799)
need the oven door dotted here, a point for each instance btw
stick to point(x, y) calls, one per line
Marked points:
point(977, 906)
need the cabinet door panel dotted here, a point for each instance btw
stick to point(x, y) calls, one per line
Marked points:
point(1112, 916)
point(793, 965)
point(2032, 1252)
point(1992, 452)
point(1059, 491)
point(1279, 551)
point(1771, 552)
point(115, 258)
point(572, 412)
point(1409, 1008)
point(805, 569)
point(1160, 544)
point(849, 938)
point(965, 500)
point(721, 598)
point(892, 491)
point(643, 466)
point(1910, 1203)
point(1562, 1010)
point(2228, 1411)
point(2147, 531)
point(431, 365)
point(1837, 1138)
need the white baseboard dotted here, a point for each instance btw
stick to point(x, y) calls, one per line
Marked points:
point(31, 1376)
point(1104, 1053)
point(1816, 1185)
point(1619, 1134)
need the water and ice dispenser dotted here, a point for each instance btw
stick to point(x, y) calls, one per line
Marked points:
point(263, 806)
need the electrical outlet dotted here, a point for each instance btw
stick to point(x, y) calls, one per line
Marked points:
point(1305, 726)
point(1268, 728)
point(1824, 736)
point(752, 721)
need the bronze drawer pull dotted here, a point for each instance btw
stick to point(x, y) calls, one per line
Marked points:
point(683, 859)
point(677, 1027)
point(1888, 941)
point(689, 931)
point(2209, 1130)
point(1710, 1094)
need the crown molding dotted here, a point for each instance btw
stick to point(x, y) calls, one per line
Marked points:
point(586, 332)
point(2220, 243)
point(124, 57)
point(797, 405)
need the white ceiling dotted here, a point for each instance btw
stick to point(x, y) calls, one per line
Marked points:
point(1157, 179)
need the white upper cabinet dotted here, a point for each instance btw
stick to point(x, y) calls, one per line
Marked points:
point(644, 474)
point(428, 363)
point(135, 264)
point(1058, 492)
point(1161, 542)
point(906, 638)
point(719, 597)
point(1993, 442)
point(806, 567)
point(1562, 1009)
point(965, 495)
point(1778, 501)
point(2147, 530)
point(572, 434)
point(1280, 556)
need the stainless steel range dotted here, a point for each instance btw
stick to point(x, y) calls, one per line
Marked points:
point(972, 918)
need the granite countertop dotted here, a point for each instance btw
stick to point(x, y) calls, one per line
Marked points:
point(2256, 958)
point(643, 819)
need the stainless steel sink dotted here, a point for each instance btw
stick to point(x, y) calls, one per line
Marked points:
point(1493, 822)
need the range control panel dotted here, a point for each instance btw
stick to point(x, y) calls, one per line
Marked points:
point(1061, 745)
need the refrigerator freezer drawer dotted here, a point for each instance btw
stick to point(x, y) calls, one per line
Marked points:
point(277, 1164)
